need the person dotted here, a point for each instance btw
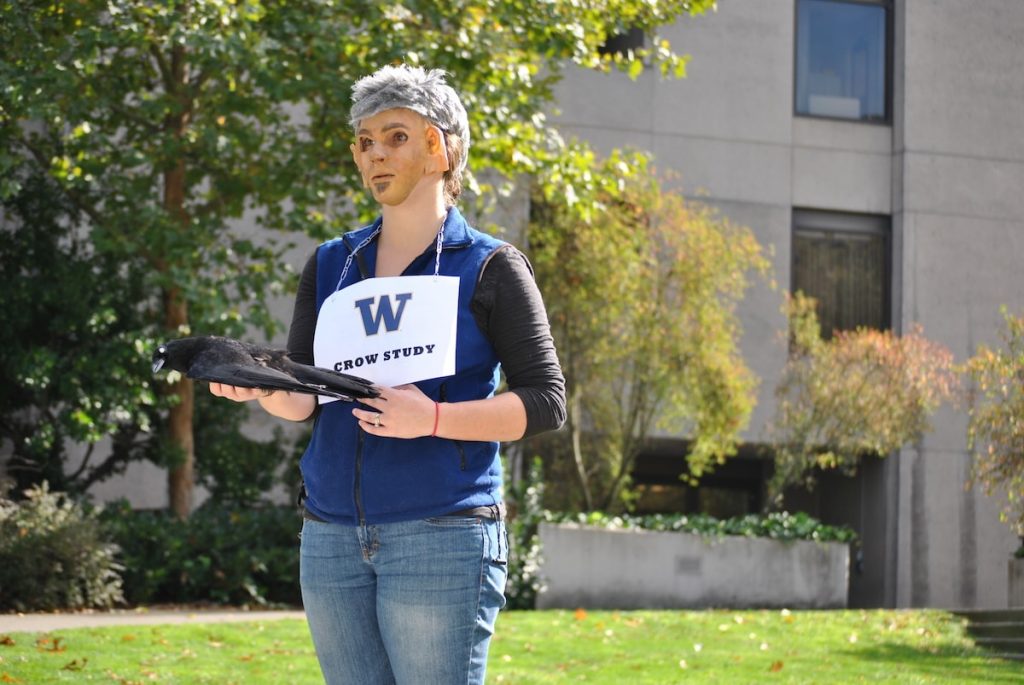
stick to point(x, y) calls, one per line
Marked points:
point(403, 546)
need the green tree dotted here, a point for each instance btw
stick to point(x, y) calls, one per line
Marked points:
point(863, 392)
point(642, 297)
point(996, 420)
point(164, 123)
point(69, 366)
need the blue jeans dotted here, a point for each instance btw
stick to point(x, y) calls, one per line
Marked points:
point(404, 603)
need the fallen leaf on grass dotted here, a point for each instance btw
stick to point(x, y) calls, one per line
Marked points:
point(6, 640)
point(127, 638)
point(45, 644)
point(580, 614)
point(75, 665)
point(8, 678)
point(775, 667)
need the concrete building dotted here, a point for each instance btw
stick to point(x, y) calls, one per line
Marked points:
point(885, 141)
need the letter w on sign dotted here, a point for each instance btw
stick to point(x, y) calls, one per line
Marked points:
point(385, 313)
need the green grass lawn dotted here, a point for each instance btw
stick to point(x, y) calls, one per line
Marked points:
point(613, 648)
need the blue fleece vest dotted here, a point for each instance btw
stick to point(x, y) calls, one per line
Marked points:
point(353, 477)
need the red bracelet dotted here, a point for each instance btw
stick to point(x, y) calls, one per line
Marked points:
point(437, 417)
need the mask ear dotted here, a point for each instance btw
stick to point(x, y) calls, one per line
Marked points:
point(437, 151)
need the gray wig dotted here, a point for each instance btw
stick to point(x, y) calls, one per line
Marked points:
point(423, 91)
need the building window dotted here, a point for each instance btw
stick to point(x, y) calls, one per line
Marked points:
point(842, 59)
point(843, 262)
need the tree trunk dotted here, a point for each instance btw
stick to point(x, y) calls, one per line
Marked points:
point(181, 476)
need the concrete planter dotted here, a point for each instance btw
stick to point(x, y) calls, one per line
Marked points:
point(613, 569)
point(1016, 573)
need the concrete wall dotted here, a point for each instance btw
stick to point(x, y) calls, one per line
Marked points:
point(1015, 571)
point(959, 158)
point(617, 569)
point(948, 170)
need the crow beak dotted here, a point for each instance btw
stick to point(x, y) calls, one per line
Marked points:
point(159, 358)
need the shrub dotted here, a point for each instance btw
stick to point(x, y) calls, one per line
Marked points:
point(218, 555)
point(776, 525)
point(525, 513)
point(862, 392)
point(53, 555)
point(995, 432)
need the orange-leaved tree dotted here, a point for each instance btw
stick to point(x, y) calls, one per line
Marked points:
point(995, 432)
point(862, 392)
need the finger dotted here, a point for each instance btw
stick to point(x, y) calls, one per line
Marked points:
point(375, 402)
point(364, 415)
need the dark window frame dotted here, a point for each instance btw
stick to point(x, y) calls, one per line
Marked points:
point(886, 120)
point(836, 224)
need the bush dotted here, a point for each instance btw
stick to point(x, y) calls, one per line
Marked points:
point(525, 513)
point(218, 555)
point(777, 525)
point(995, 432)
point(860, 393)
point(53, 555)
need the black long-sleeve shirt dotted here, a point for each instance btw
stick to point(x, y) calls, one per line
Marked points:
point(509, 310)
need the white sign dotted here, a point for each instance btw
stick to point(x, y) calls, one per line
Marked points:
point(390, 330)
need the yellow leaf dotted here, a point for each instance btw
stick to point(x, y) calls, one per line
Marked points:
point(775, 667)
point(580, 614)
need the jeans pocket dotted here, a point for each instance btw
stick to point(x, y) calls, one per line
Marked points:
point(499, 542)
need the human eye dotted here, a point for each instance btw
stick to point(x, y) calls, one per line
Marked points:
point(399, 137)
point(365, 144)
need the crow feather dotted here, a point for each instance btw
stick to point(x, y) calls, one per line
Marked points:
point(233, 362)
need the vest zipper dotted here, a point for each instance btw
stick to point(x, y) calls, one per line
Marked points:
point(359, 480)
point(458, 443)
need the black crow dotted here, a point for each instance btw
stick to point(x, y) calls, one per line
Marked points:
point(232, 362)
